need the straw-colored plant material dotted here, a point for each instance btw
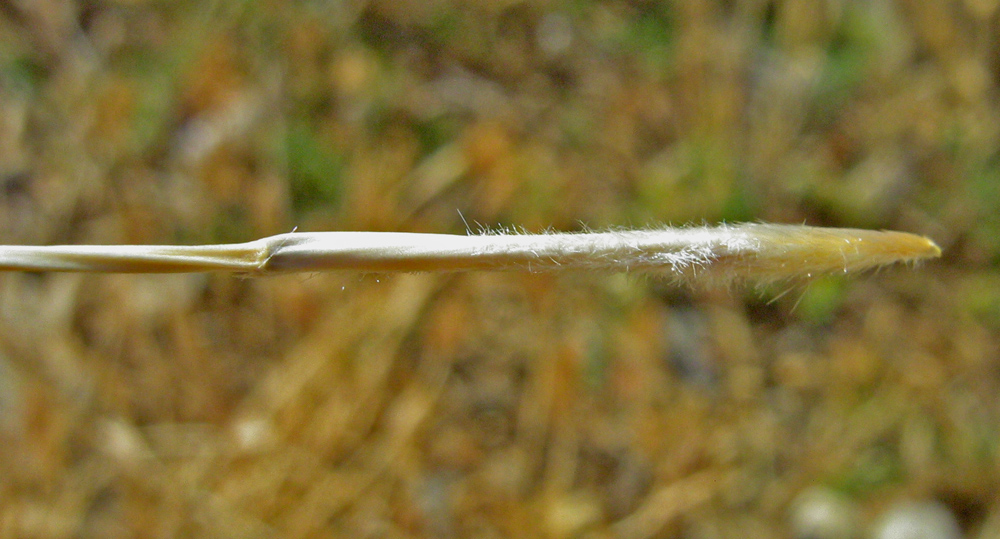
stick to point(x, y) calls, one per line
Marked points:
point(694, 255)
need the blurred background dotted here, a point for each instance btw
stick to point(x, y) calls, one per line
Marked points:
point(498, 405)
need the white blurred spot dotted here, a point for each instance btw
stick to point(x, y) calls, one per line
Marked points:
point(554, 35)
point(917, 520)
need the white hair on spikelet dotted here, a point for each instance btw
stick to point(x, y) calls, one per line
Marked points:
point(720, 255)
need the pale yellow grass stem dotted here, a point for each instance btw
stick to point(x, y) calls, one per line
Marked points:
point(695, 255)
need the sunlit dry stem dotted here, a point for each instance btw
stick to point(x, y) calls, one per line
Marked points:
point(696, 255)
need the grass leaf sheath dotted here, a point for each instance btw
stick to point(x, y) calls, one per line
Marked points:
point(718, 255)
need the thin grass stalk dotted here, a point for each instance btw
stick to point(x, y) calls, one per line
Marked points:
point(695, 255)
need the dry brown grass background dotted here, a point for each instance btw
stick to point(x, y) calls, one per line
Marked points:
point(494, 405)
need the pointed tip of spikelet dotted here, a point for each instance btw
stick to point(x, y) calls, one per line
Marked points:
point(790, 251)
